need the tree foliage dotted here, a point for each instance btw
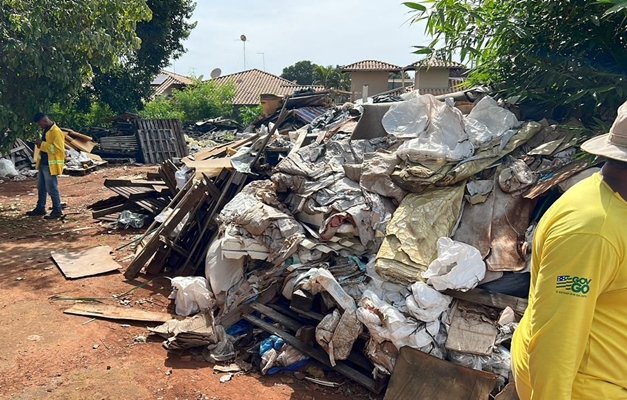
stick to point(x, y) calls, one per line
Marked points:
point(302, 72)
point(569, 57)
point(201, 100)
point(49, 48)
point(124, 87)
point(331, 77)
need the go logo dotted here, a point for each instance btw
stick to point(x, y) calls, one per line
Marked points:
point(580, 285)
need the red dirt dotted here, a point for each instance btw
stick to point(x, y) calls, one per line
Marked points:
point(47, 354)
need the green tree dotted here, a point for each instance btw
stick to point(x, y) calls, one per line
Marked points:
point(201, 100)
point(302, 72)
point(50, 48)
point(326, 76)
point(565, 56)
point(124, 87)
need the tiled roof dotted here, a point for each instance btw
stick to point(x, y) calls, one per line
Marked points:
point(434, 63)
point(370, 65)
point(251, 84)
point(166, 79)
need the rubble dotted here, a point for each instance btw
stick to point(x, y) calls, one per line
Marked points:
point(349, 243)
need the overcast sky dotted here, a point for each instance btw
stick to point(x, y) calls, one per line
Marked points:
point(326, 32)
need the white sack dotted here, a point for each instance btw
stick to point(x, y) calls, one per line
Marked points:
point(7, 169)
point(459, 266)
point(191, 295)
point(222, 273)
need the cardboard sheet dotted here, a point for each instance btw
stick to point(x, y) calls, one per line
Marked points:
point(83, 263)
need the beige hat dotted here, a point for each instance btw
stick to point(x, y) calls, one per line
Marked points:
point(614, 144)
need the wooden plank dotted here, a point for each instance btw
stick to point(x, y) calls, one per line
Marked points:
point(318, 354)
point(469, 332)
point(287, 322)
point(114, 209)
point(118, 313)
point(418, 375)
point(490, 299)
point(89, 262)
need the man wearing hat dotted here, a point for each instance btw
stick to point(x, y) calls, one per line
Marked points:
point(572, 340)
point(50, 156)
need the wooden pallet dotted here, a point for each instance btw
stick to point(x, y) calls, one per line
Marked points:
point(160, 139)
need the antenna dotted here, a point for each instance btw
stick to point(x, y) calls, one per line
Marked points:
point(243, 39)
point(216, 73)
point(264, 60)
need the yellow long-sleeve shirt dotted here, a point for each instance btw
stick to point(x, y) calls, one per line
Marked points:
point(54, 146)
point(572, 340)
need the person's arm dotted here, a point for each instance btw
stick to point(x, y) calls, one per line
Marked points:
point(574, 270)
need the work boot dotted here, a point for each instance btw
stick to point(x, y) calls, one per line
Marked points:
point(37, 212)
point(54, 215)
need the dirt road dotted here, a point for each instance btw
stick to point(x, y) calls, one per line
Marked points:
point(45, 354)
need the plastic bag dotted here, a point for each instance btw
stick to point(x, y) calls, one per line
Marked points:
point(443, 138)
point(223, 350)
point(130, 219)
point(426, 304)
point(487, 122)
point(7, 169)
point(182, 176)
point(271, 342)
point(191, 295)
point(459, 266)
point(322, 280)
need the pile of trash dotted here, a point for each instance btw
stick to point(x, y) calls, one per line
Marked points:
point(378, 243)
point(8, 171)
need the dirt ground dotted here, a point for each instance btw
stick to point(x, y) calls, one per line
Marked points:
point(46, 354)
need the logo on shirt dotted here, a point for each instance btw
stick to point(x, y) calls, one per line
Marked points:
point(573, 285)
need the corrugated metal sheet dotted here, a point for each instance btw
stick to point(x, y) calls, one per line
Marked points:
point(308, 114)
point(370, 65)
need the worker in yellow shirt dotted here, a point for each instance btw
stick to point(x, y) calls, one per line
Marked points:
point(572, 340)
point(50, 156)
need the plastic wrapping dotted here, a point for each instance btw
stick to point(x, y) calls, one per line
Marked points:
point(436, 129)
point(425, 303)
point(499, 363)
point(223, 350)
point(7, 169)
point(182, 176)
point(191, 295)
point(130, 219)
point(322, 280)
point(487, 122)
point(459, 266)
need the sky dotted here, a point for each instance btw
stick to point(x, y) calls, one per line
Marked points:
point(326, 32)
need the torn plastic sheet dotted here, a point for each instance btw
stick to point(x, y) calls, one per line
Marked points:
point(425, 303)
point(459, 266)
point(444, 137)
point(487, 156)
point(499, 363)
point(222, 273)
point(130, 219)
point(412, 234)
point(386, 323)
point(191, 295)
point(487, 122)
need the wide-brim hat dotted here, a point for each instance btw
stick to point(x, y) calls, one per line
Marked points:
point(614, 144)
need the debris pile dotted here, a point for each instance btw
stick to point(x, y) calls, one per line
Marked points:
point(365, 239)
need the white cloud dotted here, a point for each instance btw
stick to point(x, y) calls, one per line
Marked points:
point(327, 32)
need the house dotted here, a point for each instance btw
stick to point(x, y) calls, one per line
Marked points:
point(166, 81)
point(437, 77)
point(373, 73)
point(252, 83)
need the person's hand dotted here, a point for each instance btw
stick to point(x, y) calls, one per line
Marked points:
point(38, 142)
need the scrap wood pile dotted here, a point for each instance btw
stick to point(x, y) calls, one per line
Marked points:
point(377, 230)
point(79, 159)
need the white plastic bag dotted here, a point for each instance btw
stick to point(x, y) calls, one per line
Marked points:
point(191, 295)
point(425, 303)
point(182, 176)
point(7, 169)
point(487, 122)
point(459, 266)
point(444, 137)
point(323, 281)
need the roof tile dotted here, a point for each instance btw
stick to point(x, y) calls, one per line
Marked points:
point(370, 65)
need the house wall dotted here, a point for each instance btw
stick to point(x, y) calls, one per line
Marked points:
point(377, 82)
point(432, 78)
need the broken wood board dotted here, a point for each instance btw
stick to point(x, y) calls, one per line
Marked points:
point(83, 263)
point(472, 330)
point(418, 375)
point(490, 299)
point(119, 313)
point(211, 167)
